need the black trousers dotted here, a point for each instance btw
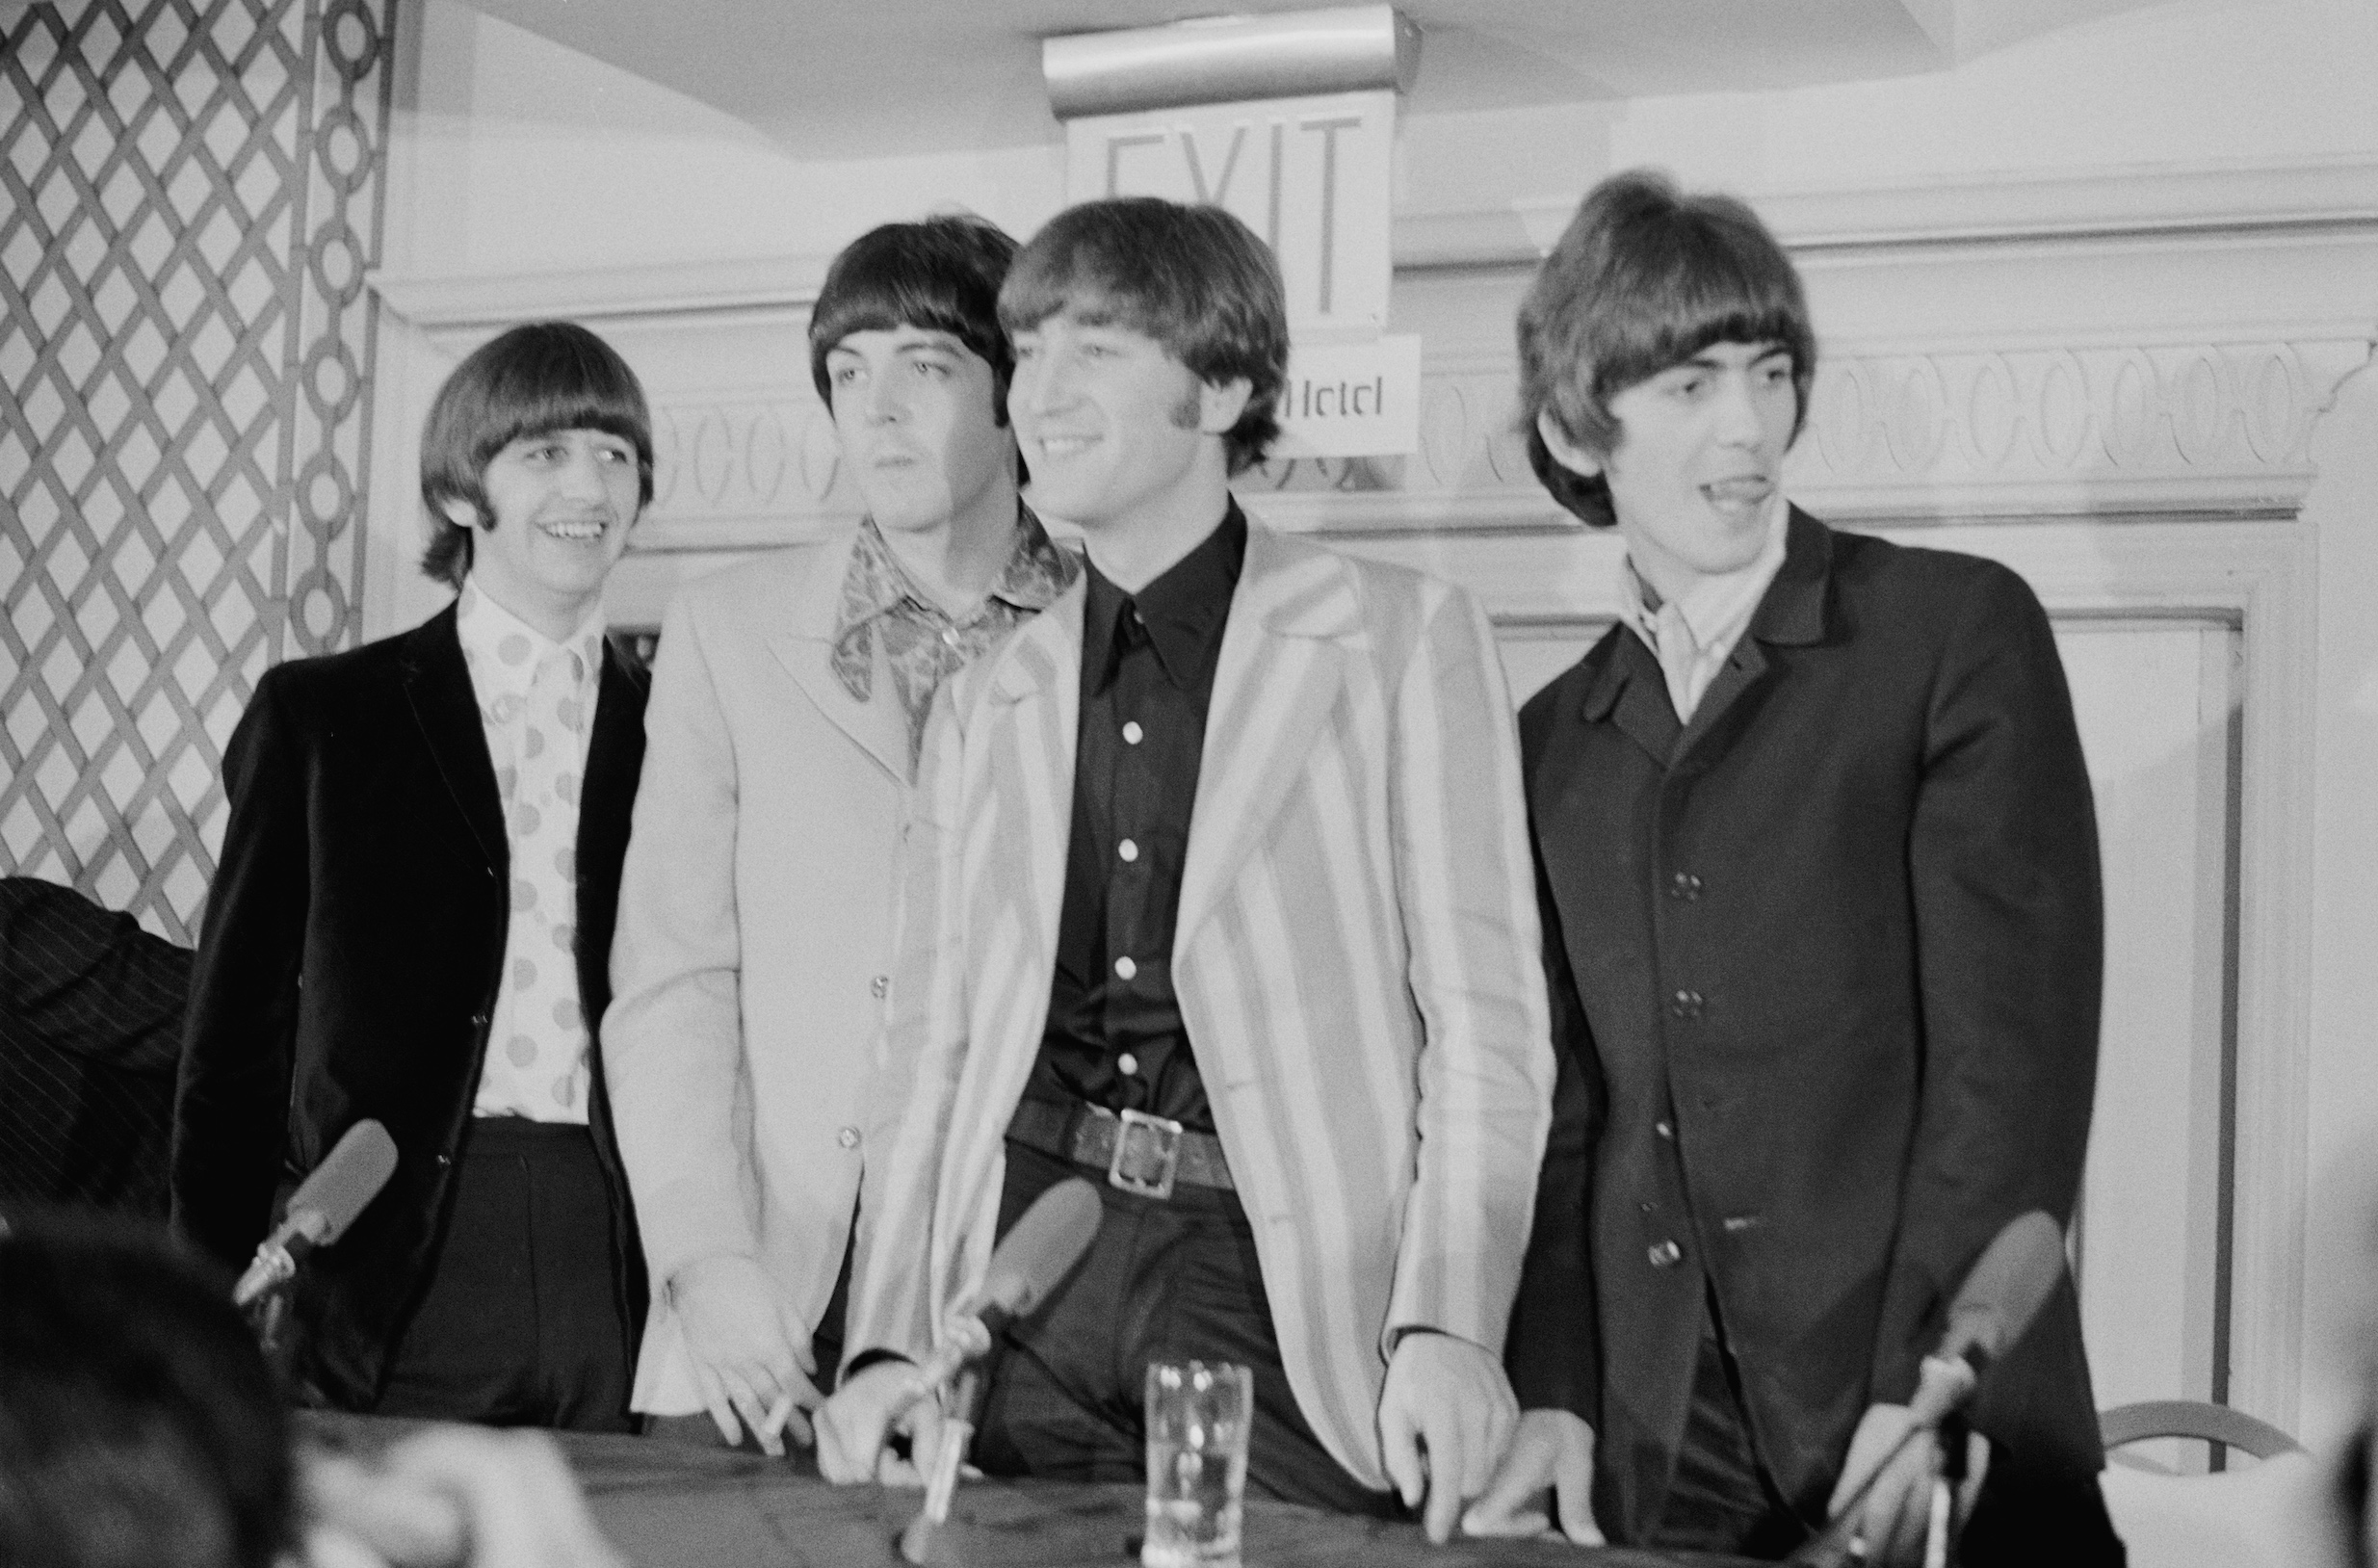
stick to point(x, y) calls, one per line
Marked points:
point(1169, 1279)
point(520, 1324)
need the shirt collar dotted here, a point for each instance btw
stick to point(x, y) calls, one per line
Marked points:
point(1715, 610)
point(486, 628)
point(1036, 572)
point(1183, 607)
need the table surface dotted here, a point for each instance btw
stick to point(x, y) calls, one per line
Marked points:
point(671, 1504)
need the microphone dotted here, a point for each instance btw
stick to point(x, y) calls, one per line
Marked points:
point(321, 1208)
point(2001, 1296)
point(1032, 1260)
point(2002, 1293)
point(1035, 1255)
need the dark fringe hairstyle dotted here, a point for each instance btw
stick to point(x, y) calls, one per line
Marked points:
point(1644, 278)
point(532, 381)
point(1195, 279)
point(941, 275)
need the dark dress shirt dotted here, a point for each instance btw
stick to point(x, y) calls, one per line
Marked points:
point(1115, 1035)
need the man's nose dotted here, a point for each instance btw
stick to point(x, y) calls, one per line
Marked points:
point(1737, 410)
point(885, 398)
point(1047, 384)
point(582, 474)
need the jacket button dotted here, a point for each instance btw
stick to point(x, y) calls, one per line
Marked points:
point(479, 1020)
point(1686, 1004)
point(1666, 1129)
point(445, 1159)
point(1665, 1254)
point(1684, 885)
point(881, 986)
point(847, 1137)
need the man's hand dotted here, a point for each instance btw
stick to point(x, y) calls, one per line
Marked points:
point(1891, 1521)
point(750, 1350)
point(452, 1497)
point(1447, 1398)
point(854, 1425)
point(1551, 1450)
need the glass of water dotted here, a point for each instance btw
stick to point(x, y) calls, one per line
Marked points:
point(1199, 1413)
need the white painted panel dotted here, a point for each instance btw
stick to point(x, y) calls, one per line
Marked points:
point(2154, 698)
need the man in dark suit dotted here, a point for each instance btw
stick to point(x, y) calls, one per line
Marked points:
point(1819, 870)
point(410, 923)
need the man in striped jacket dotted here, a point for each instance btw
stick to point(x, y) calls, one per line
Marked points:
point(1219, 893)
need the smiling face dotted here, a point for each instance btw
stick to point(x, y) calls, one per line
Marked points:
point(1116, 429)
point(1699, 456)
point(564, 502)
point(916, 411)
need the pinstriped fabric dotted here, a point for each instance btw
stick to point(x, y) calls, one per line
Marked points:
point(1356, 960)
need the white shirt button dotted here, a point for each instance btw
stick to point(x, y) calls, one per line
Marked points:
point(847, 1137)
point(949, 634)
point(881, 986)
point(1127, 850)
point(1127, 1064)
point(1126, 968)
point(1132, 732)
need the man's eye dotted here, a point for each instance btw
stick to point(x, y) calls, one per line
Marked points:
point(617, 454)
point(1026, 350)
point(843, 375)
point(936, 369)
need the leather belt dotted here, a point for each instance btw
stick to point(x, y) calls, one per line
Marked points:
point(1140, 1153)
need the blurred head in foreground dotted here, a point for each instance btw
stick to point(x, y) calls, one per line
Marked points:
point(138, 1424)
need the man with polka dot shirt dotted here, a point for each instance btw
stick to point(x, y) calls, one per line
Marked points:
point(410, 922)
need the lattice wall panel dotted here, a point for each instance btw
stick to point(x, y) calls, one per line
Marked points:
point(189, 197)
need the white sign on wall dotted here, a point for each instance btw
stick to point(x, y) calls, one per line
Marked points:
point(1310, 175)
point(1351, 400)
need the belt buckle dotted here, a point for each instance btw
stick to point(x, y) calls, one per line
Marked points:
point(1145, 1144)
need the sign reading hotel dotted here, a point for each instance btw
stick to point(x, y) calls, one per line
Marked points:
point(1310, 175)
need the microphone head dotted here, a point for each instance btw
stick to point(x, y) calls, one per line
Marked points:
point(2008, 1284)
point(346, 1181)
point(1040, 1249)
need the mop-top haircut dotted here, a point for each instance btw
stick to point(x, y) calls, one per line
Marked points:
point(1195, 279)
point(939, 275)
point(532, 381)
point(1645, 278)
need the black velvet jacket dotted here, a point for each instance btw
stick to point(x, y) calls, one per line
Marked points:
point(348, 969)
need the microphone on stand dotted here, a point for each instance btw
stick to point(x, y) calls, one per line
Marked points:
point(1032, 1260)
point(1990, 1311)
point(321, 1208)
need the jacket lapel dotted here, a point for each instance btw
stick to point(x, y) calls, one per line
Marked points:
point(1030, 726)
point(437, 685)
point(806, 648)
point(1294, 622)
point(1629, 691)
point(1790, 614)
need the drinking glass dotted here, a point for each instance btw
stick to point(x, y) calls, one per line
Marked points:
point(1199, 1413)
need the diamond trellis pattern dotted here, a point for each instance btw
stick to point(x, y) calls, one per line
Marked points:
point(190, 195)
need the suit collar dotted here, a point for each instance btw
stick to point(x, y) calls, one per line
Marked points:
point(1626, 685)
point(437, 685)
point(804, 646)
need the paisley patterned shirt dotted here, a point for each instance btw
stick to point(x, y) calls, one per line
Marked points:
point(922, 643)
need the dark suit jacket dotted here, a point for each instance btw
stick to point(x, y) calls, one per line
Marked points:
point(1824, 971)
point(91, 1026)
point(348, 969)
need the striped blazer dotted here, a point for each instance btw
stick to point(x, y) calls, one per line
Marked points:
point(1356, 959)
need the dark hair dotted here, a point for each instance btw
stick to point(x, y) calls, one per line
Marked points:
point(942, 275)
point(138, 1424)
point(1195, 279)
point(532, 381)
point(1644, 278)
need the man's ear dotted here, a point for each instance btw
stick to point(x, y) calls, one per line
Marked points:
point(1565, 452)
point(460, 512)
point(1219, 404)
